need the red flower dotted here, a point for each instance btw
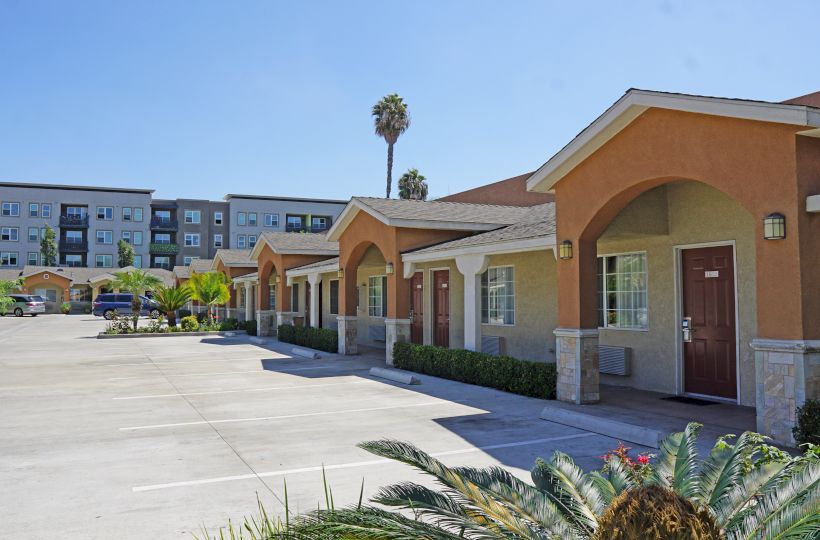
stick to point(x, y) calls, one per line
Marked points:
point(643, 460)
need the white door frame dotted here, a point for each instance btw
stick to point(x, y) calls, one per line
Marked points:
point(679, 375)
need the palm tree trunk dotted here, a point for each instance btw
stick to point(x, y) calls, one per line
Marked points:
point(389, 167)
point(172, 318)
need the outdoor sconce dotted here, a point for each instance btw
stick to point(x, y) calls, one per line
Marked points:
point(774, 227)
point(340, 273)
point(278, 279)
point(388, 269)
point(565, 250)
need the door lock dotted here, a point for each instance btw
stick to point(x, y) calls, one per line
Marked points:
point(686, 329)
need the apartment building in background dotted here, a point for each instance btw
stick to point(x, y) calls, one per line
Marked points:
point(90, 221)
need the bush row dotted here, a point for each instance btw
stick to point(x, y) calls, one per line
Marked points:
point(323, 339)
point(534, 379)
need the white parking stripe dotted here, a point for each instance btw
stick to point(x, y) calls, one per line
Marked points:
point(284, 417)
point(293, 370)
point(194, 361)
point(269, 474)
point(245, 390)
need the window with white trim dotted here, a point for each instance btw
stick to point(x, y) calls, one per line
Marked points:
point(127, 213)
point(137, 261)
point(45, 210)
point(271, 220)
point(104, 261)
point(33, 234)
point(193, 216)
point(33, 209)
point(137, 238)
point(105, 237)
point(126, 236)
point(187, 260)
point(251, 241)
point(622, 291)
point(377, 296)
point(217, 240)
point(10, 209)
point(498, 295)
point(242, 218)
point(137, 214)
point(294, 297)
point(33, 257)
point(251, 219)
point(241, 241)
point(105, 213)
point(191, 239)
point(217, 218)
point(8, 258)
point(9, 234)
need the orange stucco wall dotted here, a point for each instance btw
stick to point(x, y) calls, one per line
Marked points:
point(270, 263)
point(232, 272)
point(765, 167)
point(36, 281)
point(509, 192)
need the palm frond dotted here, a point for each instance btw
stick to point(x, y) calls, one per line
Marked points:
point(677, 466)
point(615, 481)
point(723, 469)
point(752, 486)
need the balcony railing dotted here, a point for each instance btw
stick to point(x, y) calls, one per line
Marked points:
point(73, 247)
point(306, 228)
point(163, 249)
point(76, 222)
point(162, 224)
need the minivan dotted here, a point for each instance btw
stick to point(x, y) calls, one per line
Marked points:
point(25, 304)
point(107, 303)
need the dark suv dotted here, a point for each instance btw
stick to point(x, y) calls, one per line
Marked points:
point(106, 304)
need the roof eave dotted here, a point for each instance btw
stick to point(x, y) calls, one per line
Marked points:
point(298, 272)
point(539, 243)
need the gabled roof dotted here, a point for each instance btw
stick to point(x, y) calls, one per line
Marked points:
point(428, 214)
point(328, 265)
point(634, 102)
point(199, 266)
point(88, 276)
point(294, 243)
point(232, 257)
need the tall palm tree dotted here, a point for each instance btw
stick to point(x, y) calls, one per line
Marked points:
point(210, 288)
point(137, 282)
point(413, 185)
point(170, 299)
point(391, 120)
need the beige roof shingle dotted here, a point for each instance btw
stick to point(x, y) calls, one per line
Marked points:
point(298, 242)
point(199, 266)
point(232, 257)
point(448, 212)
point(83, 275)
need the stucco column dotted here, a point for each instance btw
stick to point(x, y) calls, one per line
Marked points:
point(578, 375)
point(315, 281)
point(471, 267)
point(248, 300)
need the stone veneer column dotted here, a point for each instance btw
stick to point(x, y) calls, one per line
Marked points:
point(284, 317)
point(396, 331)
point(264, 322)
point(578, 374)
point(787, 373)
point(347, 329)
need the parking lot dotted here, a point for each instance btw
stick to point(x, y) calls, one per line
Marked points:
point(159, 437)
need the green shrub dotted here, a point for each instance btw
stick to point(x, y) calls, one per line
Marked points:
point(534, 379)
point(189, 324)
point(229, 324)
point(807, 429)
point(182, 313)
point(250, 328)
point(322, 339)
point(202, 316)
point(65, 308)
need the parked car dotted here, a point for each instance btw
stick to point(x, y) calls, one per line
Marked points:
point(106, 304)
point(25, 304)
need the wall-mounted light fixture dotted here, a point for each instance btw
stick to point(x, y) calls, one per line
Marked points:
point(565, 250)
point(340, 273)
point(388, 269)
point(774, 227)
point(278, 279)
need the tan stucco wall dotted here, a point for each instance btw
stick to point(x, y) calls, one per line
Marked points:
point(328, 318)
point(696, 214)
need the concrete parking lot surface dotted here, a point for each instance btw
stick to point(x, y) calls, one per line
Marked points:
point(159, 437)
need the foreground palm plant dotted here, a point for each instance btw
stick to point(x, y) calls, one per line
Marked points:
point(211, 289)
point(137, 282)
point(170, 299)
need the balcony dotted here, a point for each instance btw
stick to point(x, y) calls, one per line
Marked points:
point(306, 228)
point(162, 224)
point(73, 247)
point(163, 249)
point(74, 222)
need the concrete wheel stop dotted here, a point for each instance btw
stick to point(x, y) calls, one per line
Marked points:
point(569, 415)
point(394, 375)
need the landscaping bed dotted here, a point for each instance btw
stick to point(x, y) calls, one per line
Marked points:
point(103, 335)
point(322, 339)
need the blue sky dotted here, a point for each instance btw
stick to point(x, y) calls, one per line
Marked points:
point(199, 98)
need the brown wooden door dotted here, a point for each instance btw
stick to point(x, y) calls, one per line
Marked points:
point(710, 366)
point(417, 308)
point(441, 308)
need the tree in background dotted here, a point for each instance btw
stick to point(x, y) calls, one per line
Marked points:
point(391, 120)
point(125, 254)
point(48, 247)
point(211, 289)
point(6, 286)
point(171, 299)
point(413, 185)
point(137, 282)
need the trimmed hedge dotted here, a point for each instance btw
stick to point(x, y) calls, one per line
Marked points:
point(250, 328)
point(534, 379)
point(323, 339)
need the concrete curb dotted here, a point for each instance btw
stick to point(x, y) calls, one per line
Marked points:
point(226, 333)
point(394, 375)
point(603, 426)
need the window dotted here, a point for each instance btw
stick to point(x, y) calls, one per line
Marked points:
point(242, 218)
point(294, 223)
point(241, 241)
point(271, 220)
point(126, 214)
point(137, 214)
point(9, 234)
point(79, 294)
point(187, 260)
point(49, 294)
point(137, 261)
point(104, 261)
point(8, 258)
point(33, 209)
point(294, 297)
point(334, 297)
point(45, 210)
point(33, 234)
point(73, 260)
point(272, 296)
point(377, 296)
point(251, 240)
point(162, 216)
point(33, 257)
point(217, 240)
point(10, 209)
point(162, 238)
point(217, 218)
point(105, 237)
point(252, 219)
point(193, 216)
point(319, 223)
point(74, 237)
point(126, 236)
point(136, 238)
point(622, 291)
point(162, 262)
point(498, 295)
point(192, 239)
point(105, 213)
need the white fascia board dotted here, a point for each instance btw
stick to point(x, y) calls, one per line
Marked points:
point(261, 242)
point(445, 225)
point(540, 243)
point(296, 272)
point(345, 218)
point(635, 102)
